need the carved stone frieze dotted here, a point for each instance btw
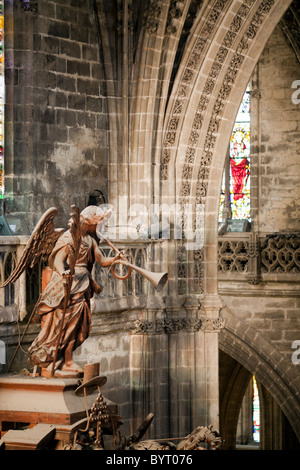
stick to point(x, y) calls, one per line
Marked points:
point(176, 325)
point(198, 272)
point(149, 327)
point(265, 6)
point(167, 326)
point(192, 324)
point(235, 64)
point(228, 82)
point(188, 75)
point(178, 107)
point(190, 155)
point(181, 286)
point(213, 325)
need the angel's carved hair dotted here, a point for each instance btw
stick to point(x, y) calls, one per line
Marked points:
point(95, 211)
point(91, 211)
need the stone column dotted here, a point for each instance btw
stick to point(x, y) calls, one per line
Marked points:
point(176, 367)
point(149, 370)
point(186, 365)
point(194, 345)
point(208, 370)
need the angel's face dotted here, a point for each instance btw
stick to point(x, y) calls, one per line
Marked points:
point(90, 225)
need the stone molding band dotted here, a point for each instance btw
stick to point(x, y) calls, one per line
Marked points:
point(176, 325)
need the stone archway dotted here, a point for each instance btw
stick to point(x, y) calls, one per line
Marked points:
point(226, 43)
point(234, 380)
point(215, 70)
point(174, 147)
point(253, 351)
point(176, 110)
point(236, 415)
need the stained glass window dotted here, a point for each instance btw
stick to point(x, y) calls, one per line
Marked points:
point(2, 96)
point(235, 193)
point(256, 412)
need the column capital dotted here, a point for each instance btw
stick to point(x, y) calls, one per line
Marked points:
point(211, 320)
point(211, 305)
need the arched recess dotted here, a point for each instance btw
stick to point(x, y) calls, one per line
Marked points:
point(224, 47)
point(251, 350)
point(234, 380)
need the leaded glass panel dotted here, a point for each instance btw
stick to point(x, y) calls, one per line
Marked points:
point(238, 190)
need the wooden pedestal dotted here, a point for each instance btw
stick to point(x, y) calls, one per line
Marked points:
point(33, 400)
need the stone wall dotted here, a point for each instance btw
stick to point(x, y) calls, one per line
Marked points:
point(56, 122)
point(275, 146)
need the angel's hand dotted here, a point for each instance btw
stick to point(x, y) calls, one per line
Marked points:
point(66, 276)
point(121, 256)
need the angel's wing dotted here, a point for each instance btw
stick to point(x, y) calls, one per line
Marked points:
point(40, 244)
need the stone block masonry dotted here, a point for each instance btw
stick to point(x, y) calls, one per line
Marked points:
point(59, 85)
point(279, 168)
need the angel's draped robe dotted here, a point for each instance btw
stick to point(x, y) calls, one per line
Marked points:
point(77, 321)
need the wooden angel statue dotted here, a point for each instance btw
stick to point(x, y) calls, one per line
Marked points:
point(64, 305)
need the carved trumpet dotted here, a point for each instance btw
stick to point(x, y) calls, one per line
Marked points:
point(158, 280)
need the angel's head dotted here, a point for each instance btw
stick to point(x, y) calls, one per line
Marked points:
point(92, 216)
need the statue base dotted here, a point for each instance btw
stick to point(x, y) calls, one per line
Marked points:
point(62, 374)
point(28, 401)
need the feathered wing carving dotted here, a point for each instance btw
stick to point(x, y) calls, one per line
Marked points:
point(40, 244)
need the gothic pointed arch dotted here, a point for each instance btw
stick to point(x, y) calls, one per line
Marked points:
point(219, 58)
point(256, 354)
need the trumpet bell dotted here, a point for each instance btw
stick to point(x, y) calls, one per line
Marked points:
point(158, 280)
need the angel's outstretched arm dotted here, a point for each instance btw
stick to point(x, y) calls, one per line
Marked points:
point(105, 261)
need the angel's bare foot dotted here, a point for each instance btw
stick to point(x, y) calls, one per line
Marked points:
point(70, 366)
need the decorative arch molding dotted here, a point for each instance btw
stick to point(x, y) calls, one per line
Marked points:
point(223, 49)
point(172, 148)
point(224, 37)
point(239, 341)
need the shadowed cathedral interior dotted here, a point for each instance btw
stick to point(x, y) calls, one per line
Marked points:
point(184, 117)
